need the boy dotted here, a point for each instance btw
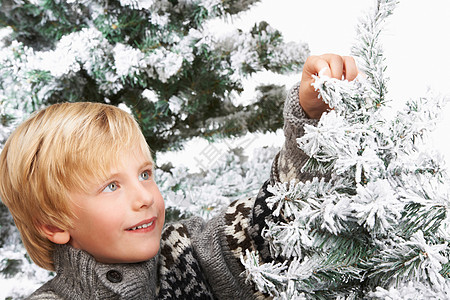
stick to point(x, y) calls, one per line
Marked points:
point(77, 179)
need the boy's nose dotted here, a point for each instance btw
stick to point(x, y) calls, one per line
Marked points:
point(142, 197)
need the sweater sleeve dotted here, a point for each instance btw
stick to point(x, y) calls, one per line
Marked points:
point(290, 159)
point(205, 256)
point(287, 166)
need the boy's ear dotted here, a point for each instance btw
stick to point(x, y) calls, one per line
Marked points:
point(55, 234)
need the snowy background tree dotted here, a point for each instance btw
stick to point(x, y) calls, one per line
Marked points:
point(157, 58)
point(379, 227)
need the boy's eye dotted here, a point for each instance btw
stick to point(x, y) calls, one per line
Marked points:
point(144, 176)
point(110, 187)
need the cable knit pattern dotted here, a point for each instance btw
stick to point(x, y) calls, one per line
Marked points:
point(197, 259)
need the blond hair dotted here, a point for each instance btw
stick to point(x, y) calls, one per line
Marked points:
point(60, 149)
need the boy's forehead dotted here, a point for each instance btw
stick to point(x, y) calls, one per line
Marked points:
point(112, 162)
point(122, 158)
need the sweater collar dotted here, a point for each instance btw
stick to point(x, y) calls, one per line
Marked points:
point(78, 273)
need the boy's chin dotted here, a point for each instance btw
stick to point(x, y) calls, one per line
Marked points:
point(135, 257)
point(149, 254)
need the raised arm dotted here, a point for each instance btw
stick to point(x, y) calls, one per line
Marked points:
point(202, 259)
point(303, 106)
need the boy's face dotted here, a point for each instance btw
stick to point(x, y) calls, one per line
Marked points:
point(120, 221)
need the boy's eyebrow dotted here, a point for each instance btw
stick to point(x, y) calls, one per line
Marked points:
point(142, 166)
point(146, 164)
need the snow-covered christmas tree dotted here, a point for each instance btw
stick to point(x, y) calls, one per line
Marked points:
point(378, 226)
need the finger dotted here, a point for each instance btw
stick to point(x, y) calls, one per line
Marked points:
point(314, 64)
point(336, 64)
point(350, 68)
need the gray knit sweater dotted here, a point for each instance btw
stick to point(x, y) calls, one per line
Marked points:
point(197, 259)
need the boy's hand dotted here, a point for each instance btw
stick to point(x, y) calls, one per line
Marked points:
point(336, 66)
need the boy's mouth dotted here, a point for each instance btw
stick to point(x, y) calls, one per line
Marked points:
point(142, 225)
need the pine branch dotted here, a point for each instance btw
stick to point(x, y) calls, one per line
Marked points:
point(369, 49)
